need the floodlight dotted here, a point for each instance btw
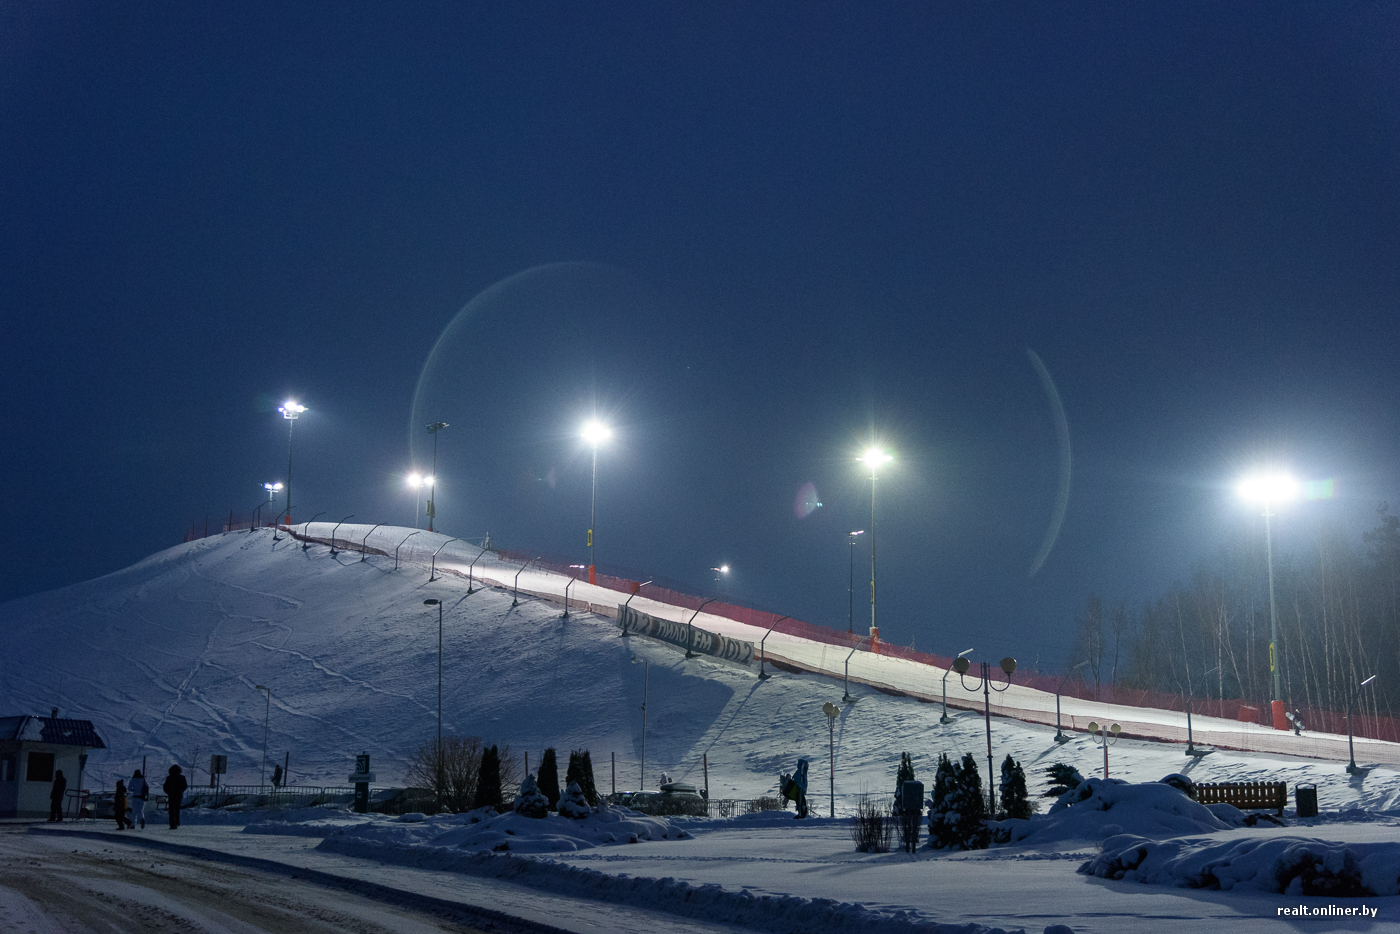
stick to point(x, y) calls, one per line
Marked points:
point(595, 432)
point(290, 409)
point(1268, 488)
point(874, 456)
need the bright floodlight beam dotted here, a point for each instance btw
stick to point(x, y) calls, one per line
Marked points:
point(873, 457)
point(433, 430)
point(595, 433)
point(1268, 489)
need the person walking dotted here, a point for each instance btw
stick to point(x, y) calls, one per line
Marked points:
point(277, 778)
point(56, 793)
point(119, 806)
point(138, 791)
point(174, 788)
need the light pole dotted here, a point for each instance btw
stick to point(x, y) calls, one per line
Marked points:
point(851, 585)
point(400, 545)
point(628, 602)
point(595, 433)
point(1008, 666)
point(572, 579)
point(1060, 736)
point(364, 545)
point(515, 599)
point(1269, 489)
point(438, 757)
point(874, 457)
point(690, 633)
point(720, 572)
point(433, 430)
point(290, 411)
point(1351, 746)
point(337, 529)
point(273, 489)
point(646, 682)
point(306, 528)
point(267, 714)
point(417, 482)
point(1191, 749)
point(1105, 736)
point(945, 719)
point(832, 712)
point(432, 571)
point(763, 652)
point(471, 568)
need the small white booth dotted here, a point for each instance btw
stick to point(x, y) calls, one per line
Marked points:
point(32, 750)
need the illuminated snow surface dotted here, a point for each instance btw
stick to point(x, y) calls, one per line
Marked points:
point(164, 656)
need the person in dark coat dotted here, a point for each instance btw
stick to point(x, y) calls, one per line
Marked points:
point(174, 789)
point(276, 778)
point(119, 806)
point(56, 793)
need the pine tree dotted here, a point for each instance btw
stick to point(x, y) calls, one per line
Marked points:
point(1015, 801)
point(548, 779)
point(590, 790)
point(905, 774)
point(1063, 777)
point(488, 781)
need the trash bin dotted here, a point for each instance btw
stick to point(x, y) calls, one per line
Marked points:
point(1305, 795)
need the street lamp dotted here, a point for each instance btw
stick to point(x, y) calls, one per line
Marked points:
point(873, 457)
point(306, 527)
point(433, 430)
point(832, 712)
point(272, 489)
point(1105, 736)
point(690, 634)
point(595, 433)
point(763, 652)
point(1269, 489)
point(290, 411)
point(851, 584)
point(626, 603)
point(1191, 749)
point(720, 571)
point(1351, 746)
point(572, 579)
point(1060, 736)
point(337, 529)
point(1008, 666)
point(945, 719)
point(515, 599)
point(438, 604)
point(267, 714)
point(646, 682)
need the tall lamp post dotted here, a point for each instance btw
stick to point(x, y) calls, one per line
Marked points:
point(832, 712)
point(290, 411)
point(438, 757)
point(646, 683)
point(851, 584)
point(595, 433)
point(1060, 736)
point(1008, 666)
point(272, 490)
point(1269, 490)
point(433, 430)
point(417, 482)
point(1351, 746)
point(267, 714)
point(874, 457)
point(1105, 736)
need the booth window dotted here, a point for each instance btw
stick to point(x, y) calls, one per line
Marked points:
point(40, 767)
point(7, 767)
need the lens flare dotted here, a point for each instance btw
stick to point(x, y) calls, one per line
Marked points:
point(807, 501)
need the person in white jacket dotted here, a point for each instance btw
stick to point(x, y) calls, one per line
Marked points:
point(137, 791)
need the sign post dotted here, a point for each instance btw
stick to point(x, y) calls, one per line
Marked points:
point(361, 778)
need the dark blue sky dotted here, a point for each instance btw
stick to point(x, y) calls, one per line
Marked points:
point(790, 227)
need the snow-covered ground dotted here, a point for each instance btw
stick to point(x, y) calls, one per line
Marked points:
point(165, 657)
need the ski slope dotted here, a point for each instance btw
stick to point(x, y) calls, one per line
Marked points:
point(165, 657)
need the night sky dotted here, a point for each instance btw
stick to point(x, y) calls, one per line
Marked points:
point(753, 238)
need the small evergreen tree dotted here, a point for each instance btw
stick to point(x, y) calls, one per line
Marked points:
point(590, 790)
point(1063, 778)
point(530, 802)
point(957, 818)
point(905, 774)
point(488, 781)
point(573, 804)
point(548, 779)
point(1015, 802)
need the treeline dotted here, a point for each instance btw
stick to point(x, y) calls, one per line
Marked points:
point(1338, 620)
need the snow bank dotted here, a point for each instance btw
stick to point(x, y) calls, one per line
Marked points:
point(1285, 864)
point(1102, 808)
point(512, 832)
point(779, 914)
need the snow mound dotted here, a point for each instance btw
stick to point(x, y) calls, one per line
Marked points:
point(1285, 865)
point(1102, 808)
point(512, 832)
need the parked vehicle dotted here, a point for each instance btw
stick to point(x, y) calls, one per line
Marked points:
point(673, 799)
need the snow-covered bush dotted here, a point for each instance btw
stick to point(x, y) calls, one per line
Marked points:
point(1015, 801)
point(574, 804)
point(1181, 783)
point(1062, 778)
point(957, 813)
point(530, 802)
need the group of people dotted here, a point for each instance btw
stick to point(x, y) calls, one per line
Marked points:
point(129, 803)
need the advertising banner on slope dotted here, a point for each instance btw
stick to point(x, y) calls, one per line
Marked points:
point(687, 637)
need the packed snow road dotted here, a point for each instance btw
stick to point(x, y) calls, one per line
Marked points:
point(51, 883)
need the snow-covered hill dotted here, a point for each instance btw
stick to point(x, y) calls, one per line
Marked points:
point(165, 657)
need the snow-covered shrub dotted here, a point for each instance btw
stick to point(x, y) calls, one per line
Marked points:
point(1063, 778)
point(1181, 783)
point(573, 803)
point(1015, 800)
point(871, 828)
point(549, 778)
point(956, 818)
point(530, 802)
